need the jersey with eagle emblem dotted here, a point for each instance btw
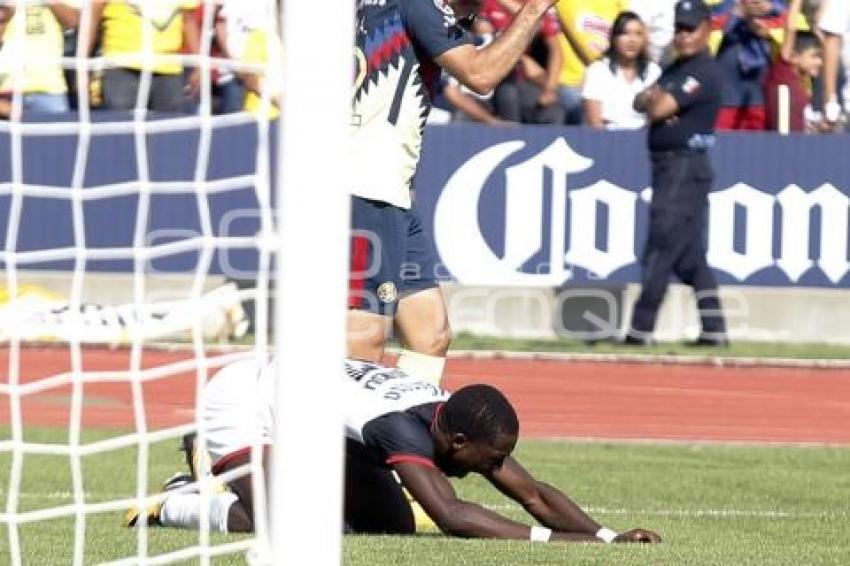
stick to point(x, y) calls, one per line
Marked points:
point(396, 77)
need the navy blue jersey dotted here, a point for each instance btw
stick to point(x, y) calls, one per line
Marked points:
point(396, 78)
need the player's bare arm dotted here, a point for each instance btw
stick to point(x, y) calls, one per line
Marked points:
point(456, 517)
point(831, 57)
point(464, 519)
point(552, 508)
point(481, 70)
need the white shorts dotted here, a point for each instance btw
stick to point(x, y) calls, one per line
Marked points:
point(237, 408)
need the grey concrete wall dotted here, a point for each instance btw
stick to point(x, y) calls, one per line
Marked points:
point(115, 288)
point(583, 313)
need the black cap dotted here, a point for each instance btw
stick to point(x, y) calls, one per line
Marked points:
point(691, 13)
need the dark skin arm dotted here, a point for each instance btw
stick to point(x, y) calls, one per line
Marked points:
point(543, 502)
point(551, 507)
point(464, 519)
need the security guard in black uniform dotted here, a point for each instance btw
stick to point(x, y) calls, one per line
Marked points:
point(682, 107)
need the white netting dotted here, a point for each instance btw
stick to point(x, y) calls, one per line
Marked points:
point(120, 232)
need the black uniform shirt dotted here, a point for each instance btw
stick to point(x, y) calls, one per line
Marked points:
point(695, 82)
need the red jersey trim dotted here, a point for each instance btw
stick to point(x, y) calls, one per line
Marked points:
point(219, 467)
point(411, 458)
point(437, 411)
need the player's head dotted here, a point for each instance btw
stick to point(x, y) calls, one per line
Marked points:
point(693, 26)
point(476, 430)
point(808, 54)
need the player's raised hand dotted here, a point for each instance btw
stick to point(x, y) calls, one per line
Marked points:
point(638, 535)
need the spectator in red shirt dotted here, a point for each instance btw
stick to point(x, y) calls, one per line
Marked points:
point(525, 95)
point(800, 61)
point(750, 39)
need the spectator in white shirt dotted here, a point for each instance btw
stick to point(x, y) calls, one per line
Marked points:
point(611, 83)
point(835, 24)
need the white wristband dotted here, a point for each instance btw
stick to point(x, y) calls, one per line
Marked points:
point(539, 534)
point(832, 111)
point(606, 534)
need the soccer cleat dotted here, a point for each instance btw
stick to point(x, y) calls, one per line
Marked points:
point(152, 511)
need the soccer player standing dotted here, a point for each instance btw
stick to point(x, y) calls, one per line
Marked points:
point(401, 46)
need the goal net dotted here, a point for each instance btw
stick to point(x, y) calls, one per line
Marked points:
point(147, 246)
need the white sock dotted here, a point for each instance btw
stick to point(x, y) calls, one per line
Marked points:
point(421, 366)
point(183, 510)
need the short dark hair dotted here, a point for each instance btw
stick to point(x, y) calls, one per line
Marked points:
point(806, 40)
point(480, 412)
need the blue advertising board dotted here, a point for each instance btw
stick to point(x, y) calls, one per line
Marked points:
point(545, 206)
point(530, 206)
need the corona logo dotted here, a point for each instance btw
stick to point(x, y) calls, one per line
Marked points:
point(470, 258)
point(792, 231)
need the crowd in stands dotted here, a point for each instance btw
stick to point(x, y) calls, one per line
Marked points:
point(588, 60)
point(122, 55)
point(612, 49)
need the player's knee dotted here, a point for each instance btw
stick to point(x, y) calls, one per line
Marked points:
point(442, 341)
point(434, 343)
point(367, 350)
point(366, 336)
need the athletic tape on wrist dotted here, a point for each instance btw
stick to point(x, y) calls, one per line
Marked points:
point(606, 535)
point(539, 534)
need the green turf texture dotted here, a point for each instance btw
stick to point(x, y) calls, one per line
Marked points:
point(713, 504)
point(737, 349)
point(465, 341)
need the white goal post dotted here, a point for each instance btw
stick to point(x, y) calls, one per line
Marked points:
point(314, 221)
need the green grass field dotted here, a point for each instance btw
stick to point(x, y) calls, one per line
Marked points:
point(465, 341)
point(713, 504)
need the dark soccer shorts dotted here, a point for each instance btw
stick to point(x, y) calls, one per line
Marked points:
point(391, 256)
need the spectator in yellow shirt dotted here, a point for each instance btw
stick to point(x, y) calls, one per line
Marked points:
point(263, 48)
point(587, 26)
point(139, 36)
point(31, 56)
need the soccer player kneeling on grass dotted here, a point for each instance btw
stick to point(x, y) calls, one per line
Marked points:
point(397, 428)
